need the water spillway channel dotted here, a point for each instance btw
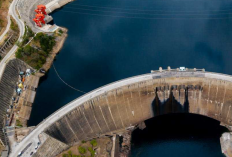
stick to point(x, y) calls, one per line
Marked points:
point(112, 40)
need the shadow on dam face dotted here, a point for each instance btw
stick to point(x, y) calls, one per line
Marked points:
point(174, 132)
point(170, 105)
point(178, 134)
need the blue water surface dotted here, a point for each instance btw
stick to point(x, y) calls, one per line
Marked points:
point(109, 40)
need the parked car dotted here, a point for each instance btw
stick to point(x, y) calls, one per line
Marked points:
point(42, 71)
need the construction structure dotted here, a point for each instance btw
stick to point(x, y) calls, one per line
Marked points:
point(39, 17)
point(128, 102)
point(27, 12)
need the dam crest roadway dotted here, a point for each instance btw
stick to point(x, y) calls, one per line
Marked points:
point(125, 103)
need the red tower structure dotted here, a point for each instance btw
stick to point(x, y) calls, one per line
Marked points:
point(37, 22)
point(39, 17)
point(41, 9)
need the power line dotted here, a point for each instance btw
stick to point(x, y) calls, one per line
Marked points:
point(152, 18)
point(106, 7)
point(65, 82)
point(112, 11)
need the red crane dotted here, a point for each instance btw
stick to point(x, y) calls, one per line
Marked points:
point(41, 9)
point(39, 17)
point(37, 22)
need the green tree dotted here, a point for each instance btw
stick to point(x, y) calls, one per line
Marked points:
point(18, 53)
point(30, 33)
point(81, 150)
point(61, 31)
point(69, 153)
point(25, 40)
point(19, 44)
point(1, 22)
point(65, 155)
point(91, 151)
point(93, 143)
point(39, 36)
point(28, 50)
point(47, 43)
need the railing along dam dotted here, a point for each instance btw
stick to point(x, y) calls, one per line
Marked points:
point(130, 101)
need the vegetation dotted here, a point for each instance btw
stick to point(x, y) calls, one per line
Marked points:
point(92, 152)
point(1, 22)
point(32, 56)
point(85, 150)
point(35, 55)
point(61, 31)
point(81, 150)
point(93, 143)
point(18, 123)
point(46, 41)
point(4, 7)
point(26, 37)
point(13, 25)
point(70, 154)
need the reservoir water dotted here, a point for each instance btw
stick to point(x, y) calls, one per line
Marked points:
point(112, 40)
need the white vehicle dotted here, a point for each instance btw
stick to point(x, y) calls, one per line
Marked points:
point(19, 154)
point(182, 69)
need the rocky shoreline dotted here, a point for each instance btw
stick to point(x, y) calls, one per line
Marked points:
point(59, 44)
point(49, 61)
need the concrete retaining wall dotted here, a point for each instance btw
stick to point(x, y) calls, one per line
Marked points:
point(56, 4)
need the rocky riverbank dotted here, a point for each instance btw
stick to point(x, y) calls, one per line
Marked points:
point(25, 109)
point(60, 39)
point(226, 144)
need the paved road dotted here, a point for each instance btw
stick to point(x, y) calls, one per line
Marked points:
point(21, 26)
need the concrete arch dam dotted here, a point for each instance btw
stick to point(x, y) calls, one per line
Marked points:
point(130, 101)
point(135, 101)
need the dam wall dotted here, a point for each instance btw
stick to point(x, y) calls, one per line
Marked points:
point(127, 105)
point(7, 89)
point(56, 4)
